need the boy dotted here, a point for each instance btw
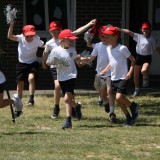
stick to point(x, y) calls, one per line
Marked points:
point(99, 51)
point(27, 67)
point(55, 28)
point(64, 56)
point(118, 55)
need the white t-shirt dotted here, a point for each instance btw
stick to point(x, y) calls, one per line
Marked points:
point(52, 43)
point(145, 46)
point(27, 52)
point(100, 52)
point(118, 61)
point(65, 73)
point(2, 78)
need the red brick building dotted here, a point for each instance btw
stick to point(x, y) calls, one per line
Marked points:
point(73, 14)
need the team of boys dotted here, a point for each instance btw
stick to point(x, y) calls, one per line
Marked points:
point(112, 67)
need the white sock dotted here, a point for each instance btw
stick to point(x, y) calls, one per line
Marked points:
point(111, 109)
point(99, 98)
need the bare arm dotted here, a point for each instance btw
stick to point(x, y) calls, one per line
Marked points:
point(85, 27)
point(44, 59)
point(103, 72)
point(10, 33)
point(126, 31)
point(130, 72)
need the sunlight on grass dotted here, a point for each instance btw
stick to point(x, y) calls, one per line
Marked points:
point(36, 136)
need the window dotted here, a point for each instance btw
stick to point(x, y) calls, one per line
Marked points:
point(41, 12)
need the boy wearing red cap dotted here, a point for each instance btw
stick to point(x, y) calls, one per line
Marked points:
point(27, 66)
point(55, 28)
point(145, 46)
point(104, 82)
point(64, 56)
point(118, 55)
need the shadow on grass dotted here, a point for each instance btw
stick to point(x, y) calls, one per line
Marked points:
point(21, 133)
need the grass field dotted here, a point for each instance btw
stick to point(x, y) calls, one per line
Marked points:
point(35, 136)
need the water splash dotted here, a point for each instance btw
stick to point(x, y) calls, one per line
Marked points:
point(10, 13)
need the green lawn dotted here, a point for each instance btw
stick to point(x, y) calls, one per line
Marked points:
point(35, 136)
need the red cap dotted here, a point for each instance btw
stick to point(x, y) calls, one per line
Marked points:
point(55, 25)
point(67, 33)
point(146, 25)
point(29, 30)
point(111, 30)
point(101, 30)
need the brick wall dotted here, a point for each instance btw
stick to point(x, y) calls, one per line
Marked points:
point(107, 12)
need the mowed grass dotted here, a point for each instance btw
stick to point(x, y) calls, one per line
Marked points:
point(35, 136)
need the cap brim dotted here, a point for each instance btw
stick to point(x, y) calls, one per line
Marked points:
point(55, 28)
point(30, 33)
point(72, 38)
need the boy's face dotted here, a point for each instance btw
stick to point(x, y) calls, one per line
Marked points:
point(55, 33)
point(102, 38)
point(110, 39)
point(67, 43)
point(29, 39)
point(146, 31)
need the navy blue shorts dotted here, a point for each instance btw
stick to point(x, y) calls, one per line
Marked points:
point(140, 59)
point(68, 85)
point(23, 70)
point(119, 86)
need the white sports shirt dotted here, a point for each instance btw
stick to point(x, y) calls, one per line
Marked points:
point(2, 78)
point(100, 52)
point(118, 61)
point(27, 52)
point(65, 73)
point(145, 46)
point(52, 43)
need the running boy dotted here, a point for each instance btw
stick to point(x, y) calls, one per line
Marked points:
point(145, 46)
point(27, 67)
point(118, 55)
point(55, 28)
point(105, 89)
point(64, 56)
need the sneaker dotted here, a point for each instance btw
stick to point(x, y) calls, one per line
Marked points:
point(67, 125)
point(112, 117)
point(100, 103)
point(30, 102)
point(128, 121)
point(73, 112)
point(78, 111)
point(17, 114)
point(55, 114)
point(136, 92)
point(145, 82)
point(17, 101)
point(106, 108)
point(134, 111)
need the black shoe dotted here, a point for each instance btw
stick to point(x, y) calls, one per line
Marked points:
point(78, 111)
point(67, 125)
point(73, 112)
point(112, 117)
point(17, 114)
point(128, 121)
point(134, 111)
point(100, 103)
point(55, 114)
point(30, 102)
point(106, 108)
